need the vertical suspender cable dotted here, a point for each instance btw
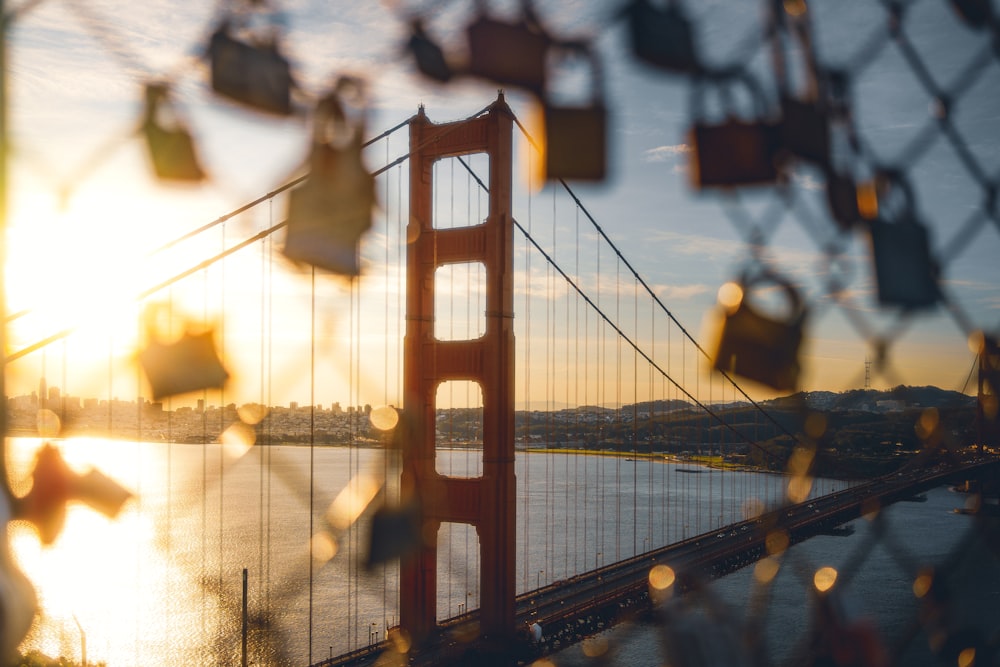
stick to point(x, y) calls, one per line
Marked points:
point(312, 443)
point(527, 385)
point(222, 425)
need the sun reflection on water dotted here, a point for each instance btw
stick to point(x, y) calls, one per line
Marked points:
point(104, 583)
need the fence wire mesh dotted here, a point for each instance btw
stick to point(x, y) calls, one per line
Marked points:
point(899, 203)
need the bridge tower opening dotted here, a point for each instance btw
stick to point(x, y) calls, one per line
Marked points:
point(486, 502)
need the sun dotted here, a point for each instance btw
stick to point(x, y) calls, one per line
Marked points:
point(71, 268)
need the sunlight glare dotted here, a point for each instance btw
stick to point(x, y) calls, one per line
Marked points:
point(352, 500)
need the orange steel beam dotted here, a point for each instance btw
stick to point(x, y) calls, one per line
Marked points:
point(485, 502)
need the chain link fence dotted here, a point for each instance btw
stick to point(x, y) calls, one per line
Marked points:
point(892, 188)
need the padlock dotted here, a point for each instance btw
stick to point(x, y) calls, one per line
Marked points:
point(762, 347)
point(189, 364)
point(54, 484)
point(842, 198)
point(332, 208)
point(508, 53)
point(18, 601)
point(171, 148)
point(975, 13)
point(662, 36)
point(734, 152)
point(395, 532)
point(805, 130)
point(906, 272)
point(576, 137)
point(256, 75)
point(429, 57)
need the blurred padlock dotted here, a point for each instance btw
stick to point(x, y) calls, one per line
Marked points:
point(395, 532)
point(171, 148)
point(975, 13)
point(734, 152)
point(54, 484)
point(842, 198)
point(662, 36)
point(256, 75)
point(508, 53)
point(189, 364)
point(328, 213)
point(842, 636)
point(576, 137)
point(429, 57)
point(762, 347)
point(18, 601)
point(905, 270)
point(805, 130)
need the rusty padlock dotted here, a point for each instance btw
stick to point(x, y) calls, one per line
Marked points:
point(429, 57)
point(332, 208)
point(188, 364)
point(576, 136)
point(252, 73)
point(171, 148)
point(734, 152)
point(508, 53)
point(906, 272)
point(662, 36)
point(759, 346)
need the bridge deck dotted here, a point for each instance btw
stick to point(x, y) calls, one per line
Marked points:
point(578, 607)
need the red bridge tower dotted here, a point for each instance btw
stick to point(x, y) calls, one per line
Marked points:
point(485, 502)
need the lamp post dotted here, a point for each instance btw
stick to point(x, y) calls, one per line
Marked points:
point(83, 641)
point(538, 578)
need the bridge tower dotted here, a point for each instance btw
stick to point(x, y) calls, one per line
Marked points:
point(988, 403)
point(486, 502)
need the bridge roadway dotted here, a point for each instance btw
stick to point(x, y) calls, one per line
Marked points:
point(572, 609)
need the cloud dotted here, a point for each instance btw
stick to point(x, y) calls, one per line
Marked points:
point(680, 292)
point(663, 153)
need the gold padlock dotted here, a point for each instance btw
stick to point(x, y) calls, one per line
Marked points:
point(734, 152)
point(188, 364)
point(576, 137)
point(171, 148)
point(508, 53)
point(758, 346)
point(332, 208)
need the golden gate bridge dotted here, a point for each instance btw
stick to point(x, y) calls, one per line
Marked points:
point(516, 314)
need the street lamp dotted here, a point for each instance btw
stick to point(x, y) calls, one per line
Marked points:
point(538, 579)
point(83, 641)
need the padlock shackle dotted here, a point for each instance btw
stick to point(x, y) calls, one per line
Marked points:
point(528, 14)
point(797, 305)
point(721, 80)
point(888, 180)
point(582, 49)
point(331, 125)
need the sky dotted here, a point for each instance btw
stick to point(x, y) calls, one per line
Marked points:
point(85, 210)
